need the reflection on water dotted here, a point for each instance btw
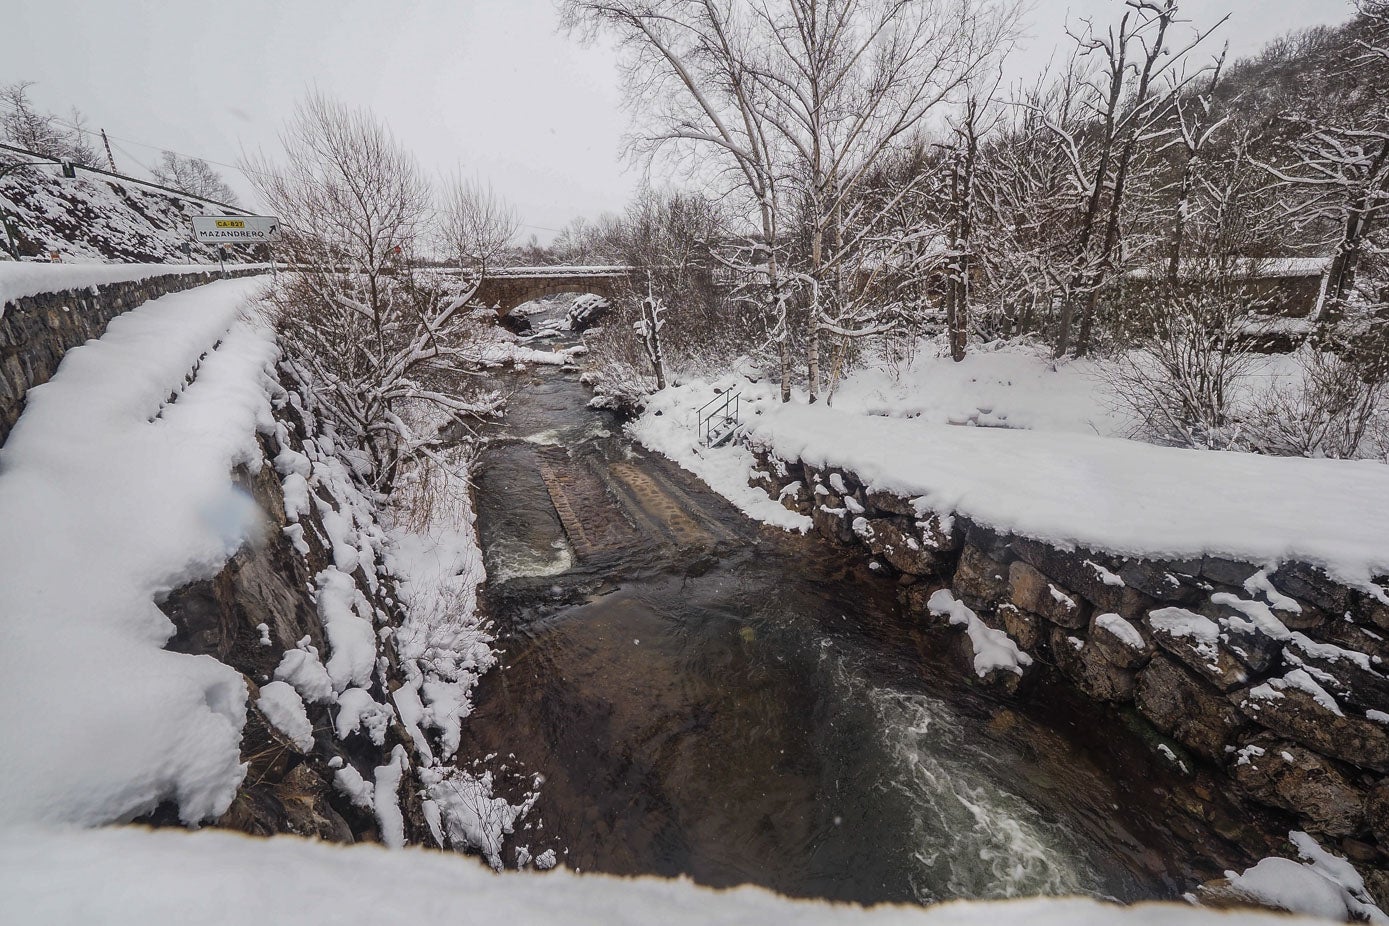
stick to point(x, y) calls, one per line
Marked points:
point(752, 711)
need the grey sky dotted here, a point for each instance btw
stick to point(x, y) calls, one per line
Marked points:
point(485, 85)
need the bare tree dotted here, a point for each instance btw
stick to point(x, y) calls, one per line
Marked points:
point(849, 82)
point(1196, 124)
point(690, 65)
point(476, 226)
point(25, 126)
point(193, 176)
point(1126, 96)
point(372, 338)
point(648, 327)
point(1342, 170)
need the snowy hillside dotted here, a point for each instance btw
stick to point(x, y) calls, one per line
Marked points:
point(92, 220)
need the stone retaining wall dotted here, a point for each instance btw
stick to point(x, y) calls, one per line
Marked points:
point(1275, 681)
point(36, 331)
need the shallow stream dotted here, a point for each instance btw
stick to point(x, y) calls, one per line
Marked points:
point(708, 697)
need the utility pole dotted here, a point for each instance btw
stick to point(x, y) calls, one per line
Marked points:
point(109, 159)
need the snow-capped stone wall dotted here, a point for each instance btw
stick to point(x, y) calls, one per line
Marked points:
point(1276, 680)
point(267, 615)
point(37, 329)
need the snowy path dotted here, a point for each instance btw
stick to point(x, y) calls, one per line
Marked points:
point(110, 494)
point(1110, 494)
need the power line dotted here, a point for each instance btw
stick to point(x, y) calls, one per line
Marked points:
point(244, 171)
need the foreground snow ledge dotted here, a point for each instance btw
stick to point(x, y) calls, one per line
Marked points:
point(143, 876)
point(1109, 494)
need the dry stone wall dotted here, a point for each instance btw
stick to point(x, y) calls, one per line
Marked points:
point(36, 331)
point(1275, 680)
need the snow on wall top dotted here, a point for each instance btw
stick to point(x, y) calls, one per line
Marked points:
point(110, 494)
point(20, 279)
point(1110, 494)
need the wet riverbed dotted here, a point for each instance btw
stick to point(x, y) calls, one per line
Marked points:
point(703, 696)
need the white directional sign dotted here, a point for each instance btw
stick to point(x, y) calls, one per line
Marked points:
point(236, 229)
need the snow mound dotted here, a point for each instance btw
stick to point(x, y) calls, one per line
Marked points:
point(115, 487)
point(145, 877)
point(1322, 885)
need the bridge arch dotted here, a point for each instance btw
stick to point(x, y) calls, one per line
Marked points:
point(506, 288)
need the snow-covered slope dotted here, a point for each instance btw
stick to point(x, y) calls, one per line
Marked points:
point(148, 877)
point(90, 220)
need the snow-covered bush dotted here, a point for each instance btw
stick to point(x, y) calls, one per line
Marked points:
point(1335, 408)
point(1190, 352)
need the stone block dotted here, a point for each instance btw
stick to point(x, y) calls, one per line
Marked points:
point(980, 581)
point(898, 542)
point(1174, 629)
point(1312, 584)
point(1282, 774)
point(1296, 715)
point(1088, 667)
point(1188, 709)
point(1029, 590)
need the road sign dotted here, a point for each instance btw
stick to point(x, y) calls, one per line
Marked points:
point(236, 229)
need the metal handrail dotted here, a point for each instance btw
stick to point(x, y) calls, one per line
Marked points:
point(717, 425)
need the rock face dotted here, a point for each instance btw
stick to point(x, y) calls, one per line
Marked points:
point(902, 544)
point(1034, 593)
point(1089, 666)
point(981, 580)
point(1283, 774)
point(1276, 681)
point(1188, 709)
point(1299, 716)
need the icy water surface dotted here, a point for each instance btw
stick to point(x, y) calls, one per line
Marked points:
point(707, 697)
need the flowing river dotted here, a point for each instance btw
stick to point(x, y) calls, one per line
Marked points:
point(708, 697)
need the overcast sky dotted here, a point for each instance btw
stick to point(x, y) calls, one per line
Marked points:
point(488, 86)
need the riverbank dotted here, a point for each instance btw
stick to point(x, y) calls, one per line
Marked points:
point(1237, 600)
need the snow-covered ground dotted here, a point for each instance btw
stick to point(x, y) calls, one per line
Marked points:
point(1017, 386)
point(111, 493)
point(137, 876)
point(1110, 494)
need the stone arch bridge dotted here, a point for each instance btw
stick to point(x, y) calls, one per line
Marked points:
point(507, 287)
